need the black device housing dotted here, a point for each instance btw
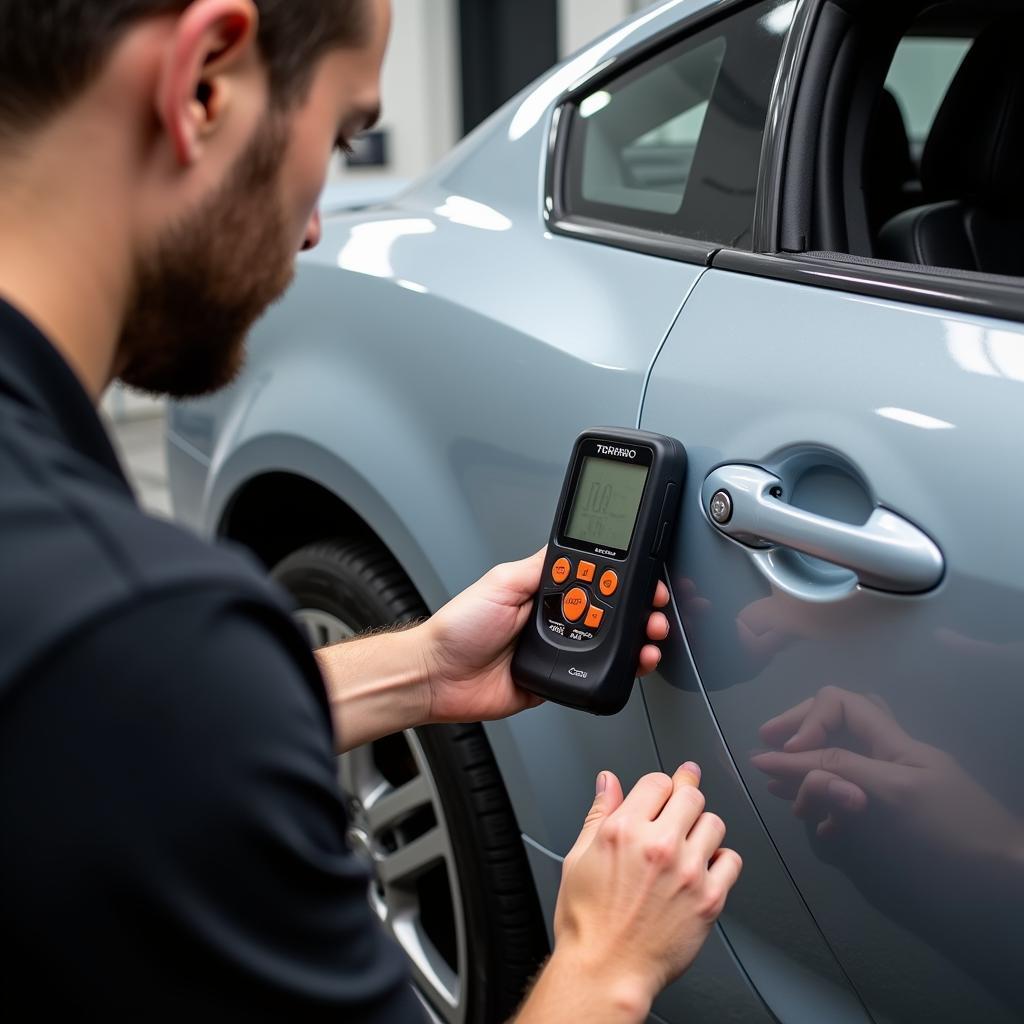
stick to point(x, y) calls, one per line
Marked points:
point(594, 669)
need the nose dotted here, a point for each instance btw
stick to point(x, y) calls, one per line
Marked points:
point(314, 232)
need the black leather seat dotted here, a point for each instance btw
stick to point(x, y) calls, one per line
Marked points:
point(975, 157)
point(889, 171)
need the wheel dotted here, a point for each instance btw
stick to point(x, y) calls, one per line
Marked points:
point(428, 812)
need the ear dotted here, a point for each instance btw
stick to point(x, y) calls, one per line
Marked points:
point(212, 40)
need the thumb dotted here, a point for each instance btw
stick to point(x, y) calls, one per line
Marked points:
point(607, 799)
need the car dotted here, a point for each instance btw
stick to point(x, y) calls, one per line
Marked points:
point(789, 234)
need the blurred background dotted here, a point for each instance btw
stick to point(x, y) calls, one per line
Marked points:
point(451, 63)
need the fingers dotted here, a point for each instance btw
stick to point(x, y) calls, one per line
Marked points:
point(657, 626)
point(650, 659)
point(808, 725)
point(707, 835)
point(822, 791)
point(607, 798)
point(725, 869)
point(660, 596)
point(780, 728)
point(648, 797)
point(875, 778)
point(686, 803)
point(834, 709)
point(515, 583)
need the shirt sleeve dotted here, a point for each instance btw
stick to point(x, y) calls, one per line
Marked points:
point(181, 844)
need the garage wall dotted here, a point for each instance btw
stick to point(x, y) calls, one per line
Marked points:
point(421, 89)
point(580, 21)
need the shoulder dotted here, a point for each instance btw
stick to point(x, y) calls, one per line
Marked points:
point(78, 551)
point(181, 763)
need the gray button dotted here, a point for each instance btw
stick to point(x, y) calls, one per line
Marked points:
point(721, 507)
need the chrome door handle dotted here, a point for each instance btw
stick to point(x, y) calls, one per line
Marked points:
point(887, 552)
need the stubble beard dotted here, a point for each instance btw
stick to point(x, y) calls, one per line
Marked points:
point(209, 279)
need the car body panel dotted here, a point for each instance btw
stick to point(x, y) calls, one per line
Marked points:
point(857, 402)
point(430, 369)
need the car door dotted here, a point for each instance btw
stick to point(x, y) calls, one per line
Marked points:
point(660, 153)
point(848, 574)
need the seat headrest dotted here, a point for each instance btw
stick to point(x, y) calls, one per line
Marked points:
point(975, 151)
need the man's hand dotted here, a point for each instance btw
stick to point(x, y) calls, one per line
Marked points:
point(641, 888)
point(469, 645)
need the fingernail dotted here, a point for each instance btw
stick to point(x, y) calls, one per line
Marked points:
point(844, 794)
point(692, 767)
point(602, 783)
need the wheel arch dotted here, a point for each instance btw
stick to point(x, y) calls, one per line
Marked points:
point(276, 494)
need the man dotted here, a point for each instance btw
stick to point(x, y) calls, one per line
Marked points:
point(173, 842)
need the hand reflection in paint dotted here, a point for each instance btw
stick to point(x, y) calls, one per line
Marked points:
point(921, 839)
point(840, 753)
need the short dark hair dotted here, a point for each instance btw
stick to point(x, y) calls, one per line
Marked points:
point(52, 49)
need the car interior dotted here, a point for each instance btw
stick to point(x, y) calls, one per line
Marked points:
point(940, 193)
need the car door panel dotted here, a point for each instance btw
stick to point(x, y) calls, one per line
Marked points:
point(766, 923)
point(856, 404)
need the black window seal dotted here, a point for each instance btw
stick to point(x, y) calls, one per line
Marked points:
point(677, 247)
point(775, 143)
point(1002, 300)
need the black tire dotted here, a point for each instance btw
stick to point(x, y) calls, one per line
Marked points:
point(359, 583)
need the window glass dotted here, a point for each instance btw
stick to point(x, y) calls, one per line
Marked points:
point(919, 78)
point(673, 145)
point(638, 150)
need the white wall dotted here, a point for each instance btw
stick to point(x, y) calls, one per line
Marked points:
point(421, 88)
point(580, 21)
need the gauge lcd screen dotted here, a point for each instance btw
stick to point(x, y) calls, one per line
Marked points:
point(606, 503)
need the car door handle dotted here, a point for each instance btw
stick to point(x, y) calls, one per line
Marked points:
point(886, 553)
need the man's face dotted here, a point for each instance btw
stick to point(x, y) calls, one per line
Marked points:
point(210, 276)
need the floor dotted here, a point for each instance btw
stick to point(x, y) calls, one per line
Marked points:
point(140, 443)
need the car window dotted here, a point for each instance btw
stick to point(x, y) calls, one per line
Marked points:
point(920, 75)
point(673, 145)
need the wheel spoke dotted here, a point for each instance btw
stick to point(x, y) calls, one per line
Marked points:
point(439, 983)
point(389, 807)
point(408, 862)
point(359, 776)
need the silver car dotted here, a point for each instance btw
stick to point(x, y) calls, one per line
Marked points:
point(789, 233)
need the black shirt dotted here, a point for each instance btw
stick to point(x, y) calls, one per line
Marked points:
point(172, 840)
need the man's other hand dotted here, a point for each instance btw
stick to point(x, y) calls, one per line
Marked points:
point(470, 642)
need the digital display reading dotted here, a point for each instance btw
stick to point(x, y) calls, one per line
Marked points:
point(606, 504)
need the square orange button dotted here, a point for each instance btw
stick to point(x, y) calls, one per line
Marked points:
point(594, 617)
point(586, 571)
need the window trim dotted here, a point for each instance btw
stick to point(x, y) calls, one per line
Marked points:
point(949, 292)
point(678, 247)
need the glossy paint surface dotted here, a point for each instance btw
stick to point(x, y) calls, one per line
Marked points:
point(854, 403)
point(431, 368)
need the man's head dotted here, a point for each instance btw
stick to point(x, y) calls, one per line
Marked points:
point(215, 119)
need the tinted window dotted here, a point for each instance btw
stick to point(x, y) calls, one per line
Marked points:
point(919, 78)
point(674, 144)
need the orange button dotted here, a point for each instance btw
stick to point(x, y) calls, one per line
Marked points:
point(560, 570)
point(585, 571)
point(609, 583)
point(574, 604)
point(594, 617)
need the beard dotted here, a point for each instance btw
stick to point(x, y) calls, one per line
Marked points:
point(209, 278)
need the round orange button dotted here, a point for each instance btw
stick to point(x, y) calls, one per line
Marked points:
point(609, 583)
point(560, 570)
point(574, 604)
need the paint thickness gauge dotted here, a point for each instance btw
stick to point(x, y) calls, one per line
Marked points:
point(614, 518)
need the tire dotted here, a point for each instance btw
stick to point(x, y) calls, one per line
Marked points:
point(477, 905)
